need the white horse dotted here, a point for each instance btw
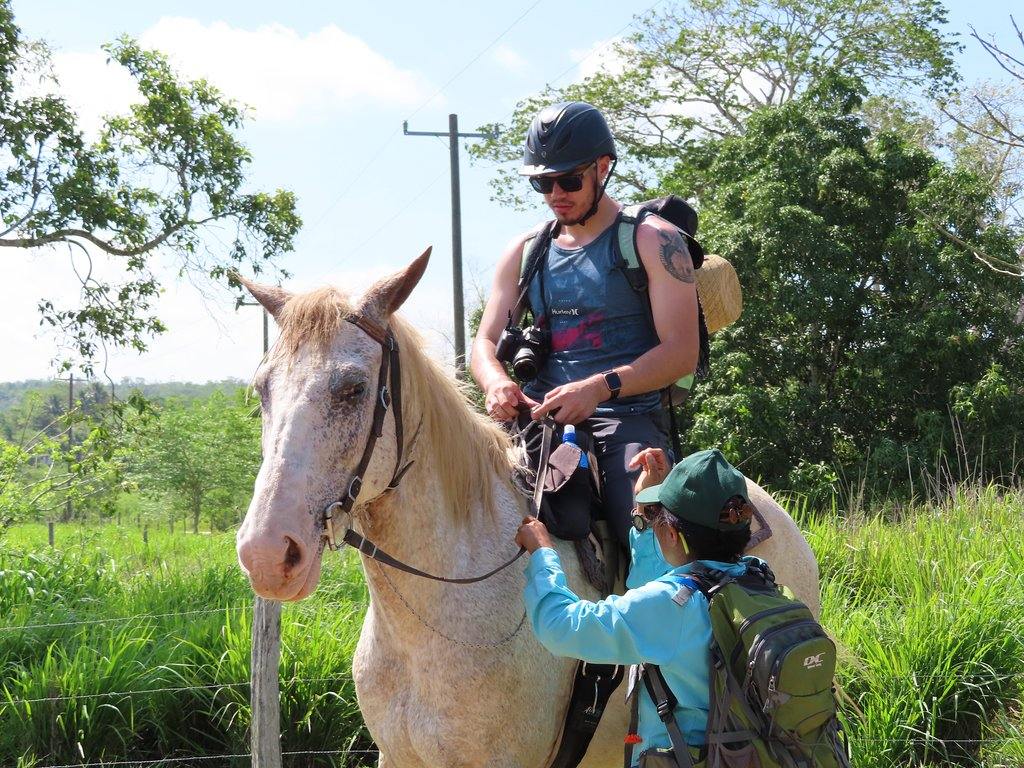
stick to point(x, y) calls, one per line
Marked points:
point(446, 675)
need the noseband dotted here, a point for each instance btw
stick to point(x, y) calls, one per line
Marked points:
point(389, 391)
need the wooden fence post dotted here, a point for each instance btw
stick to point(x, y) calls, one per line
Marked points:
point(49, 531)
point(145, 534)
point(265, 740)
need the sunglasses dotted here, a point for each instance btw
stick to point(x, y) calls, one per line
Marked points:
point(571, 182)
point(641, 518)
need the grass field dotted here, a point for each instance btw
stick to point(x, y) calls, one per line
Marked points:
point(144, 652)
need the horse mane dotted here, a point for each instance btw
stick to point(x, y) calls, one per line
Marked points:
point(468, 450)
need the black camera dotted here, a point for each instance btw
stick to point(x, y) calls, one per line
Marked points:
point(525, 348)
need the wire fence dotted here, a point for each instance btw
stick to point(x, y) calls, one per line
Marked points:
point(207, 758)
point(923, 739)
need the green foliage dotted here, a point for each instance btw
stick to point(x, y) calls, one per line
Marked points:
point(928, 612)
point(205, 452)
point(864, 325)
point(701, 68)
point(158, 665)
point(154, 181)
point(925, 608)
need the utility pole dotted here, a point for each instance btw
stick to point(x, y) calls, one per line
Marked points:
point(266, 321)
point(68, 511)
point(460, 311)
point(265, 657)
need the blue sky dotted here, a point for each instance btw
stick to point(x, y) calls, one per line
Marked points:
point(331, 84)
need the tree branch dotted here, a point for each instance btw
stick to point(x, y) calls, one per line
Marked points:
point(62, 235)
point(36, 190)
point(986, 259)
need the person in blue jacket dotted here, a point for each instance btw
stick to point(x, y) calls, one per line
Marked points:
point(697, 513)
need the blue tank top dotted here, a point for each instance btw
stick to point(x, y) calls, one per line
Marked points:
point(597, 321)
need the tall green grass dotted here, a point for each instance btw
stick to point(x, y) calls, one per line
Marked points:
point(153, 661)
point(927, 604)
point(928, 610)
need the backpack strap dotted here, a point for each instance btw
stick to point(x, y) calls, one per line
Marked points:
point(626, 249)
point(535, 250)
point(626, 228)
point(666, 702)
point(633, 699)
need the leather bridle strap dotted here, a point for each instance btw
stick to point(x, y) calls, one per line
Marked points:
point(389, 391)
point(371, 550)
point(389, 375)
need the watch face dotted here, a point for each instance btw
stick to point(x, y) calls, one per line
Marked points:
point(613, 381)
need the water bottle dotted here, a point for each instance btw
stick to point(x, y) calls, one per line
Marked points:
point(569, 436)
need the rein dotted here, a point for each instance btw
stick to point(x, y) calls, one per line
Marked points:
point(389, 386)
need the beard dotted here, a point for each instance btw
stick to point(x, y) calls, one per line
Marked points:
point(569, 221)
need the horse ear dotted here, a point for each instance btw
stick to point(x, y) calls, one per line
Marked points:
point(272, 297)
point(387, 295)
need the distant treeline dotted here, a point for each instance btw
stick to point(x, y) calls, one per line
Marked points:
point(37, 404)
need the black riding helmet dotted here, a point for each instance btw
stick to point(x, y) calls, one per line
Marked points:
point(565, 136)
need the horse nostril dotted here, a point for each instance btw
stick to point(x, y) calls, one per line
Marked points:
point(293, 554)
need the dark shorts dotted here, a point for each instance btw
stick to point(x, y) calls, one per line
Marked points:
point(616, 441)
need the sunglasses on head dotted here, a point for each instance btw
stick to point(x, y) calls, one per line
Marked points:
point(570, 182)
point(642, 516)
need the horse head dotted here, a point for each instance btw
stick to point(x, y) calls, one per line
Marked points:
point(319, 388)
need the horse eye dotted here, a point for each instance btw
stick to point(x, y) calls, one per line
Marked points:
point(347, 394)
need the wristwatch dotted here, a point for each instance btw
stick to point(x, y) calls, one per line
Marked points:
point(613, 382)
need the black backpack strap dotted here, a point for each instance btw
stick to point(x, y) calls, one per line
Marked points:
point(628, 260)
point(666, 702)
point(535, 249)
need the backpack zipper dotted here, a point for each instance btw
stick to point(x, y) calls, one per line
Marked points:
point(780, 660)
point(795, 605)
point(756, 648)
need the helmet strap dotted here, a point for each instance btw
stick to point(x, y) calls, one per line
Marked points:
point(597, 198)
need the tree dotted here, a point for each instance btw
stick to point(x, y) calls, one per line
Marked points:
point(990, 119)
point(51, 458)
point(703, 67)
point(156, 181)
point(864, 325)
point(200, 450)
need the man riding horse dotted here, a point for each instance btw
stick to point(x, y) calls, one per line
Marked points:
point(602, 350)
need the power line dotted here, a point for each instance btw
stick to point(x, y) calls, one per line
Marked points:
point(475, 59)
point(398, 213)
point(439, 91)
point(607, 43)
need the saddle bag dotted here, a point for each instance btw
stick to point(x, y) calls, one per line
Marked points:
point(571, 485)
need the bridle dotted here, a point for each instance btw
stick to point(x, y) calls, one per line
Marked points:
point(389, 392)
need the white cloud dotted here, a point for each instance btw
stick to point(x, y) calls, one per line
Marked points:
point(601, 57)
point(275, 70)
point(510, 59)
point(281, 73)
point(94, 87)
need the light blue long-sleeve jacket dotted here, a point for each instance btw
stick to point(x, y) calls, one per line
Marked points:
point(645, 625)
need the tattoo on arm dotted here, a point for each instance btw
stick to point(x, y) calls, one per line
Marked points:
point(675, 256)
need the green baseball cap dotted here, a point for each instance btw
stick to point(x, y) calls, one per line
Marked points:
point(697, 489)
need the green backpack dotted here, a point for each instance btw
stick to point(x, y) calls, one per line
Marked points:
point(772, 699)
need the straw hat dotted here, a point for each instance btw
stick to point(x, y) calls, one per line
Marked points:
point(719, 290)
